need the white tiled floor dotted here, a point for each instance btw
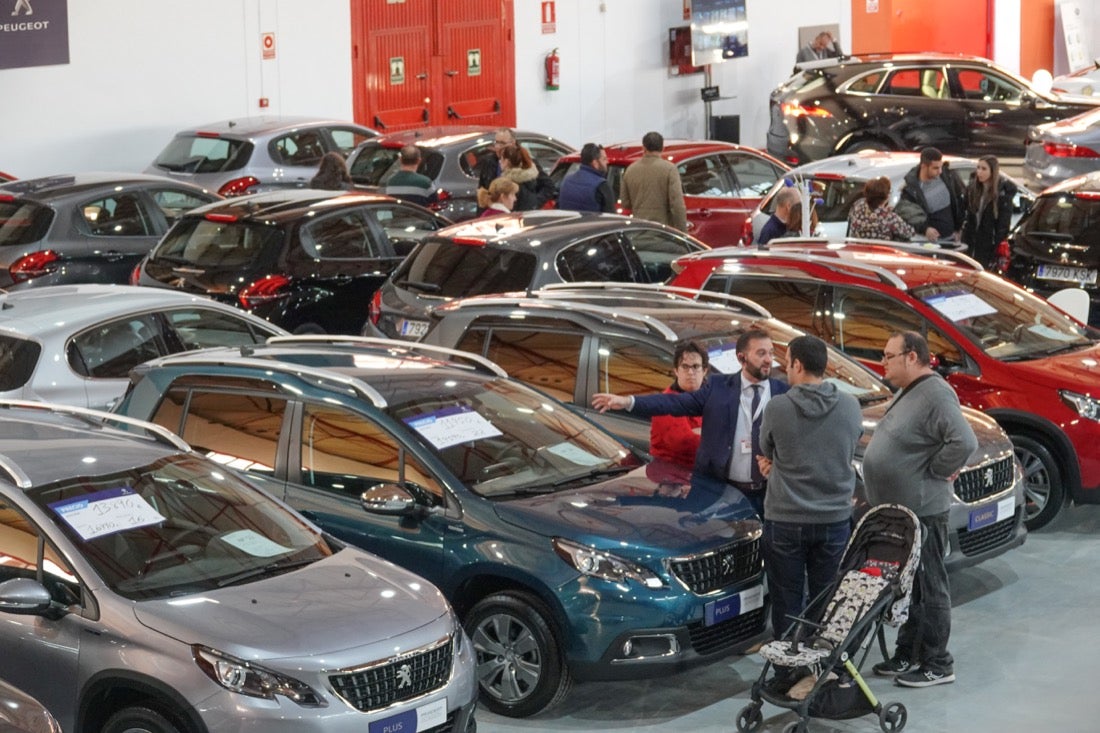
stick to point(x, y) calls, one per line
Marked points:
point(1026, 642)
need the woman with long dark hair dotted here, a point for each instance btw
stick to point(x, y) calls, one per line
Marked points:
point(988, 210)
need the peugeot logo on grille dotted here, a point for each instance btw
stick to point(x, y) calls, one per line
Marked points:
point(987, 477)
point(404, 676)
point(728, 564)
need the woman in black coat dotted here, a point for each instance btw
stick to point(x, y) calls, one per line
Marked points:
point(988, 210)
point(535, 187)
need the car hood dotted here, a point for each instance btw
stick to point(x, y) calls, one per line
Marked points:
point(992, 439)
point(653, 510)
point(341, 603)
point(1078, 371)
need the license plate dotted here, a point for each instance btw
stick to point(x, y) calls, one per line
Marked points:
point(1067, 274)
point(411, 721)
point(734, 605)
point(413, 329)
point(989, 514)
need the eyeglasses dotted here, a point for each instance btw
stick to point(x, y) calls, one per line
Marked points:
point(888, 357)
point(691, 367)
point(502, 142)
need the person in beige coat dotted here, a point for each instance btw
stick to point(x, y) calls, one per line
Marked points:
point(651, 186)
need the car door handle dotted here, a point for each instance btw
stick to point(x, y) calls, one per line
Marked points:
point(703, 213)
point(983, 115)
point(113, 255)
point(896, 111)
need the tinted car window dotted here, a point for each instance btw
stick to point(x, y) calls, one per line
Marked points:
point(18, 358)
point(545, 156)
point(202, 154)
point(753, 177)
point(705, 177)
point(227, 244)
point(864, 320)
point(542, 358)
point(111, 350)
point(174, 202)
point(346, 139)
point(403, 226)
point(344, 236)
point(19, 539)
point(374, 164)
point(656, 250)
point(23, 222)
point(598, 259)
point(458, 270)
point(866, 84)
point(201, 328)
point(345, 452)
point(301, 148)
point(983, 85)
point(238, 430)
point(1065, 218)
point(793, 302)
point(627, 367)
point(117, 216)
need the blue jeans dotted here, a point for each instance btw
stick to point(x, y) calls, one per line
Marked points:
point(797, 555)
point(923, 637)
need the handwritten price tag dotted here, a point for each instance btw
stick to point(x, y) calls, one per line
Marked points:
point(106, 512)
point(451, 426)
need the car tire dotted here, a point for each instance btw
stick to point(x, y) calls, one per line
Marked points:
point(861, 145)
point(1044, 488)
point(139, 719)
point(309, 329)
point(521, 670)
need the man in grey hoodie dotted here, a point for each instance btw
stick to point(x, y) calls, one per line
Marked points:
point(808, 437)
point(917, 450)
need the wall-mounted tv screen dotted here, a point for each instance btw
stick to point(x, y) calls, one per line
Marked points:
point(719, 31)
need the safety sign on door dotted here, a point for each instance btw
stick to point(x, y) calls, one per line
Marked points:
point(397, 70)
point(473, 62)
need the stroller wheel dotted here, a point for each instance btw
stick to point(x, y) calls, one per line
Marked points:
point(750, 718)
point(892, 717)
point(796, 726)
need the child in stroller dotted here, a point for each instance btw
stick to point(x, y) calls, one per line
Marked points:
point(871, 588)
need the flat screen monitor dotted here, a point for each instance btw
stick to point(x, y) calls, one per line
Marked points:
point(719, 31)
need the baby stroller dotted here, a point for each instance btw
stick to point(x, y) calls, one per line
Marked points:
point(871, 588)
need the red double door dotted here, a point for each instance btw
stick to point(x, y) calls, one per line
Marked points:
point(433, 62)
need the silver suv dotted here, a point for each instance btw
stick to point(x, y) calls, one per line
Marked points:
point(148, 588)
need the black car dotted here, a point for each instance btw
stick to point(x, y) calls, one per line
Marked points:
point(522, 251)
point(1057, 245)
point(306, 260)
point(87, 227)
point(963, 105)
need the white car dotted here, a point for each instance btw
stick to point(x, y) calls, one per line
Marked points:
point(1082, 83)
point(836, 183)
point(76, 344)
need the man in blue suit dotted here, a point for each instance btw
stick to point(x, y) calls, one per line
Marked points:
point(731, 407)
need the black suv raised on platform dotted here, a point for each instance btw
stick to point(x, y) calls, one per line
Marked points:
point(964, 105)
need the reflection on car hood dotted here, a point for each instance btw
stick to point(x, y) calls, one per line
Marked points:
point(1077, 370)
point(653, 510)
point(339, 604)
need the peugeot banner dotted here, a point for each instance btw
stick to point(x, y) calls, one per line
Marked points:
point(34, 33)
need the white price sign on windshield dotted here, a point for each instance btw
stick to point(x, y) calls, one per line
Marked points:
point(451, 426)
point(107, 511)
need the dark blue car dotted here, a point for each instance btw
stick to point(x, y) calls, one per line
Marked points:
point(564, 553)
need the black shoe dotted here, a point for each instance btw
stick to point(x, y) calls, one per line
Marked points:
point(925, 677)
point(893, 666)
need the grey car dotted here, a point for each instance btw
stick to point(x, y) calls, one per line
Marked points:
point(76, 344)
point(149, 589)
point(837, 182)
point(1064, 149)
point(21, 713)
point(449, 156)
point(252, 154)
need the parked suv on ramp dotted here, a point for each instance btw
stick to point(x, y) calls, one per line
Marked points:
point(147, 588)
point(566, 556)
point(1007, 352)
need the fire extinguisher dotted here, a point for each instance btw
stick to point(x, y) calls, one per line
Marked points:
point(553, 74)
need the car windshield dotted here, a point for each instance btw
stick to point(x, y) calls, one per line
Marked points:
point(444, 269)
point(847, 374)
point(23, 222)
point(502, 439)
point(1005, 321)
point(196, 241)
point(179, 525)
point(1063, 218)
point(203, 154)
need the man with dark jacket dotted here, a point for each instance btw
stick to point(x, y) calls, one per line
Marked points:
point(587, 189)
point(933, 198)
point(731, 406)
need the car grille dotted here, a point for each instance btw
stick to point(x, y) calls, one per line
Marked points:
point(977, 541)
point(985, 480)
point(725, 566)
point(395, 680)
point(722, 636)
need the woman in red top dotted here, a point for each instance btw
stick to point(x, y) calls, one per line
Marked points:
point(675, 439)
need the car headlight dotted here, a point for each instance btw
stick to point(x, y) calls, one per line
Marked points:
point(237, 675)
point(459, 635)
point(599, 564)
point(1086, 407)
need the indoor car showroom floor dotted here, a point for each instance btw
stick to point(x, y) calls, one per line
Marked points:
point(1023, 638)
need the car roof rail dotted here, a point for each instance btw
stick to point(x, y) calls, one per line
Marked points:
point(691, 295)
point(478, 362)
point(95, 417)
point(324, 375)
point(947, 253)
point(18, 476)
point(832, 263)
point(638, 321)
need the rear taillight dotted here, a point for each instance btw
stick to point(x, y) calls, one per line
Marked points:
point(221, 218)
point(36, 264)
point(1002, 258)
point(746, 232)
point(238, 186)
point(374, 310)
point(7, 198)
point(794, 109)
point(442, 198)
point(1069, 150)
point(263, 290)
point(135, 274)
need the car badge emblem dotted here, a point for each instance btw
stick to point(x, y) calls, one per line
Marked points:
point(728, 564)
point(404, 676)
point(988, 477)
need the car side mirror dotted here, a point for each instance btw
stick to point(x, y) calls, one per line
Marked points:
point(389, 499)
point(25, 597)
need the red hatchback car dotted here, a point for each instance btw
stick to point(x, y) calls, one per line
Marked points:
point(722, 182)
point(1007, 352)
